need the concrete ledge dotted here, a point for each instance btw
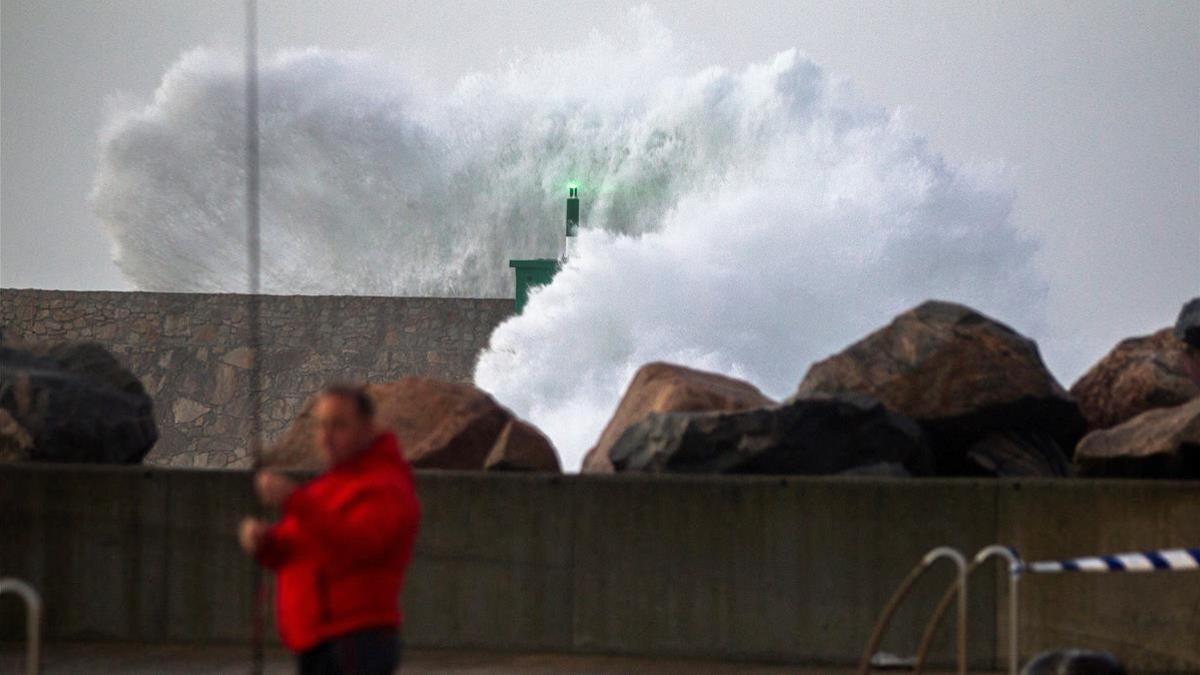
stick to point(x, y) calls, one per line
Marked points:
point(760, 568)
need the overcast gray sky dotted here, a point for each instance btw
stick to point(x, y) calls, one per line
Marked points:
point(1094, 106)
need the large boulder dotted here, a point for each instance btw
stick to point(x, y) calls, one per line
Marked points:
point(442, 425)
point(76, 403)
point(978, 388)
point(816, 436)
point(664, 388)
point(1162, 443)
point(1139, 374)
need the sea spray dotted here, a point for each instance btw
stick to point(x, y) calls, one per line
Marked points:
point(813, 220)
point(375, 183)
point(743, 221)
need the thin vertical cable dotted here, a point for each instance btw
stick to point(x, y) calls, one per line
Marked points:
point(253, 256)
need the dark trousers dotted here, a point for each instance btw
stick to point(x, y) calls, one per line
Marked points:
point(375, 651)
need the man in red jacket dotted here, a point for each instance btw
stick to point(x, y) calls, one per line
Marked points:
point(341, 549)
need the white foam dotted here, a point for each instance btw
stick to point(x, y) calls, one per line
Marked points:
point(746, 221)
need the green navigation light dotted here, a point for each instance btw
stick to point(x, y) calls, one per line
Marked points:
point(572, 210)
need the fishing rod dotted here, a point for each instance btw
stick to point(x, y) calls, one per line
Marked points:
point(254, 309)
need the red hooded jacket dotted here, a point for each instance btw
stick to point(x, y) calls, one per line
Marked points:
point(342, 547)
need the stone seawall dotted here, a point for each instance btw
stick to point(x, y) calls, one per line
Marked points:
point(192, 352)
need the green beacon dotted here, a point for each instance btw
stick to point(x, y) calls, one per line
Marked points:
point(530, 274)
point(572, 230)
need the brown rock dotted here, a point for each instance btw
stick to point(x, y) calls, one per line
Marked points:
point(963, 377)
point(1139, 374)
point(1160, 443)
point(521, 447)
point(665, 388)
point(442, 425)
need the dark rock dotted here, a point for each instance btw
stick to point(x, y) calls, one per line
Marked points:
point(1187, 331)
point(77, 404)
point(1139, 374)
point(663, 388)
point(441, 425)
point(816, 436)
point(1187, 326)
point(1163, 443)
point(963, 377)
point(1074, 662)
point(1019, 453)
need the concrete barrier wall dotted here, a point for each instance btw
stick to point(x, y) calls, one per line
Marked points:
point(790, 569)
point(191, 351)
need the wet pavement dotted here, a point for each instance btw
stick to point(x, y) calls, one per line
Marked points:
point(75, 658)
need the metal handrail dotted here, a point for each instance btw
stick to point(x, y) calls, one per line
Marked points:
point(893, 603)
point(1015, 567)
point(33, 620)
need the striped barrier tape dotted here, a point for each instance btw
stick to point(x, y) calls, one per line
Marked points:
point(1170, 560)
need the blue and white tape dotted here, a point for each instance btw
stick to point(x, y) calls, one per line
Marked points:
point(1165, 560)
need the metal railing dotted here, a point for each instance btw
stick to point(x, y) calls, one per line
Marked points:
point(893, 603)
point(33, 620)
point(1169, 560)
point(1015, 567)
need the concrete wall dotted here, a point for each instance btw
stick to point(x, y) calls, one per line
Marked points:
point(190, 350)
point(789, 569)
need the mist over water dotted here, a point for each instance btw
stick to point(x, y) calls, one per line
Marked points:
point(743, 221)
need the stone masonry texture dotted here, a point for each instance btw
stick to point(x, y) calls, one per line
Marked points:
point(193, 354)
